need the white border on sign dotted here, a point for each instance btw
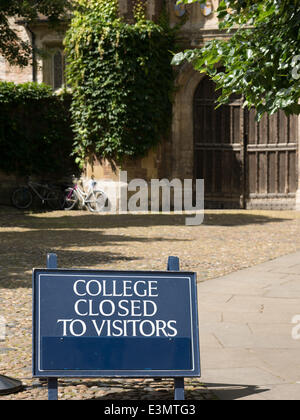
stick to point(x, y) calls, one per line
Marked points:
point(117, 276)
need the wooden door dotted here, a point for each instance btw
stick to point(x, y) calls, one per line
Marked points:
point(218, 148)
point(271, 164)
point(245, 164)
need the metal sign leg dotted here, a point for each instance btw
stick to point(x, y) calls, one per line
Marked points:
point(174, 265)
point(52, 382)
point(179, 389)
point(52, 389)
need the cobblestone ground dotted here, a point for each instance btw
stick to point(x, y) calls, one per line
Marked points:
point(227, 241)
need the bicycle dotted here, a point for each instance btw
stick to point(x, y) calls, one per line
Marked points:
point(94, 200)
point(22, 197)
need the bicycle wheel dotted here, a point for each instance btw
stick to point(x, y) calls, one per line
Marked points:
point(71, 199)
point(96, 201)
point(21, 198)
point(55, 200)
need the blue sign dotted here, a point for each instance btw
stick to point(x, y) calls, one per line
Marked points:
point(111, 323)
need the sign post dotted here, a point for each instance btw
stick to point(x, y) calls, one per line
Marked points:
point(52, 382)
point(173, 265)
point(104, 323)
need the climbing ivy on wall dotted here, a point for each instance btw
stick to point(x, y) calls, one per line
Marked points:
point(122, 80)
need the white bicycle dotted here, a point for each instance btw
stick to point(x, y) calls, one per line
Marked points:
point(94, 200)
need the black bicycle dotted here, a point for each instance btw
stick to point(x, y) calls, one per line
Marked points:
point(53, 196)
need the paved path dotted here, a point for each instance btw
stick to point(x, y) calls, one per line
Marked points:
point(247, 349)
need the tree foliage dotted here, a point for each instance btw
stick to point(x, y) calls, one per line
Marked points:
point(261, 57)
point(121, 78)
point(15, 50)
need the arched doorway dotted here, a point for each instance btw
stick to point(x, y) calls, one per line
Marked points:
point(245, 164)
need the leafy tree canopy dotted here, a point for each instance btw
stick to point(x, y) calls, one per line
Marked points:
point(261, 56)
point(12, 47)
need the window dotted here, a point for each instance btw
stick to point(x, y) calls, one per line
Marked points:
point(58, 70)
point(54, 68)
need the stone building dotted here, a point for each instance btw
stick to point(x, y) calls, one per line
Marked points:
point(244, 164)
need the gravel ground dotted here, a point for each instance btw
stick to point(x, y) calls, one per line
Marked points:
point(227, 241)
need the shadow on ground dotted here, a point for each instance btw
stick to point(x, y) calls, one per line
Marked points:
point(80, 248)
point(230, 392)
point(85, 240)
point(148, 389)
point(207, 392)
point(127, 389)
point(61, 220)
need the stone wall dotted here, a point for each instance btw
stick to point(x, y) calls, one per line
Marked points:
point(174, 158)
point(11, 73)
point(193, 33)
